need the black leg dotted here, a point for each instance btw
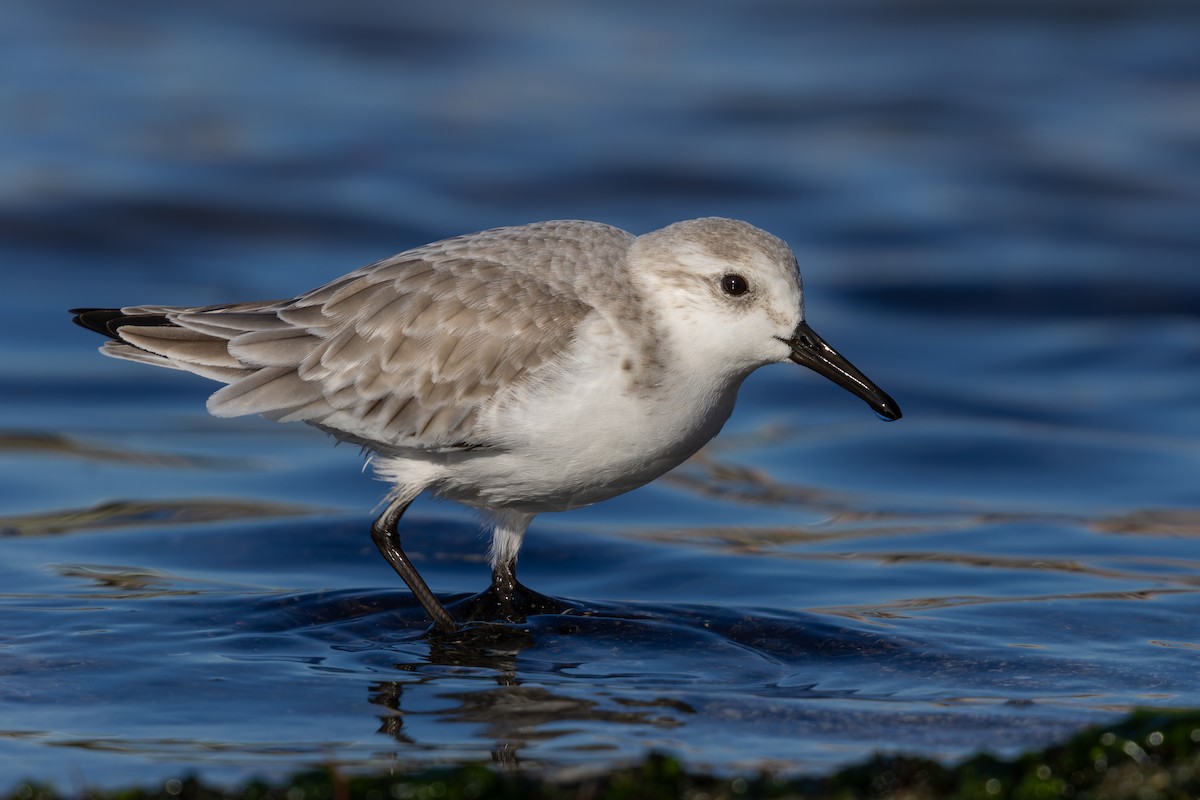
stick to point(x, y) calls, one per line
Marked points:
point(504, 580)
point(387, 538)
point(508, 593)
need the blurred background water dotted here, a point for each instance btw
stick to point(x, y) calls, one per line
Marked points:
point(996, 210)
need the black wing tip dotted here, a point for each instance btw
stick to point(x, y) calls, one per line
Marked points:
point(106, 321)
point(96, 319)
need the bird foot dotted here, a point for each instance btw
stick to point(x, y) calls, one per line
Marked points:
point(507, 601)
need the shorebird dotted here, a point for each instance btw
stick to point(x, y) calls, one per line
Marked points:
point(525, 369)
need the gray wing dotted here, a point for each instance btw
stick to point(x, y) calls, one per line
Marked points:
point(403, 353)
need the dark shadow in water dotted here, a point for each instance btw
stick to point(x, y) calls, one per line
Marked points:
point(386, 618)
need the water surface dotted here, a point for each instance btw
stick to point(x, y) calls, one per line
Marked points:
point(995, 213)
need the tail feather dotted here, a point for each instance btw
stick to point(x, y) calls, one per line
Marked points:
point(106, 321)
point(149, 335)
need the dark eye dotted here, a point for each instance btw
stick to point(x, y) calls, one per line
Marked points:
point(734, 285)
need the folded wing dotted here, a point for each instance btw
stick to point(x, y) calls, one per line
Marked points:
point(404, 353)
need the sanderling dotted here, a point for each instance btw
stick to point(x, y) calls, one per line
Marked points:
point(519, 370)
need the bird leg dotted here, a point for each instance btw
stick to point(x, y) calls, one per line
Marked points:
point(386, 535)
point(504, 579)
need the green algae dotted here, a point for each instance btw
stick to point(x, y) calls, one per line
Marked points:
point(1148, 756)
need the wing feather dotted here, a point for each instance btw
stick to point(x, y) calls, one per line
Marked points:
point(419, 367)
point(281, 347)
point(180, 344)
point(406, 352)
point(266, 390)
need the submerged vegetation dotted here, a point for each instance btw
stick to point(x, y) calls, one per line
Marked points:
point(1148, 756)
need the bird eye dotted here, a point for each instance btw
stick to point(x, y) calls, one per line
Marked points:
point(734, 285)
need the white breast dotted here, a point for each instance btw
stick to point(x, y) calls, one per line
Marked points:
point(597, 427)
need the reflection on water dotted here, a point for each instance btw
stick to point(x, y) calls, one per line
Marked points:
point(137, 513)
point(1153, 522)
point(995, 212)
point(21, 443)
point(121, 582)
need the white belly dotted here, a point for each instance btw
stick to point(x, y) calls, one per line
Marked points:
point(602, 436)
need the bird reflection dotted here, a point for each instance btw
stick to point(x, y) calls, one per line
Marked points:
point(511, 715)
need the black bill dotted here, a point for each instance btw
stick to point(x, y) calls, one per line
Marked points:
point(810, 350)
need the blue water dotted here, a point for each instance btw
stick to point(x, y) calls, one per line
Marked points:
point(996, 213)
